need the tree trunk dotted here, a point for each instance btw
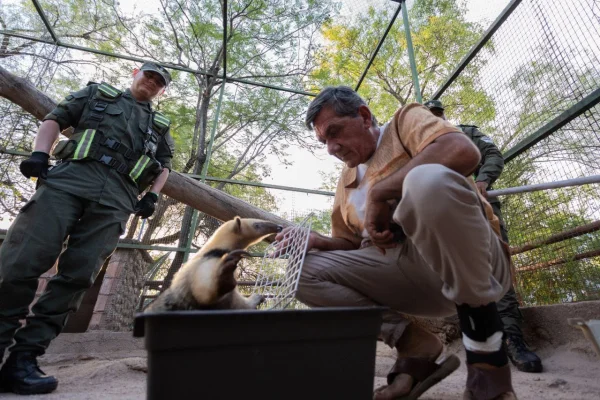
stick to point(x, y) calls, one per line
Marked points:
point(202, 197)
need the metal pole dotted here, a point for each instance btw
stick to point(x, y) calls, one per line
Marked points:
point(411, 54)
point(563, 119)
point(40, 11)
point(194, 222)
point(378, 47)
point(212, 135)
point(165, 64)
point(210, 178)
point(545, 186)
point(482, 42)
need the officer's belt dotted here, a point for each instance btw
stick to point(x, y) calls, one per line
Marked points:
point(85, 149)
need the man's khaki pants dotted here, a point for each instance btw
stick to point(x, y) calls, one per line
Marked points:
point(451, 256)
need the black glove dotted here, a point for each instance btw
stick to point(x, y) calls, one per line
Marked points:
point(36, 165)
point(145, 207)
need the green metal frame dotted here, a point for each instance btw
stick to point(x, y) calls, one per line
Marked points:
point(142, 60)
point(195, 213)
point(478, 46)
point(212, 178)
point(411, 54)
point(564, 118)
point(364, 74)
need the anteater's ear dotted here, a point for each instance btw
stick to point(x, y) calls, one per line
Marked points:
point(238, 225)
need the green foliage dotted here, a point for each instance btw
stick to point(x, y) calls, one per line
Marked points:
point(441, 36)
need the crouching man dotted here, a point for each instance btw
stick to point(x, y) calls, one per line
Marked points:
point(411, 232)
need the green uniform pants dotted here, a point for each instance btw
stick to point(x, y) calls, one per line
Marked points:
point(33, 244)
point(508, 306)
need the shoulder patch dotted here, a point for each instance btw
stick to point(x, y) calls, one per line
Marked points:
point(215, 253)
point(109, 91)
point(161, 121)
point(66, 100)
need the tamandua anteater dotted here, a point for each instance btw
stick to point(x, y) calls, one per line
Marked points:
point(207, 280)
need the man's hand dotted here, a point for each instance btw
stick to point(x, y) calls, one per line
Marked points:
point(377, 223)
point(283, 241)
point(145, 207)
point(36, 165)
point(482, 187)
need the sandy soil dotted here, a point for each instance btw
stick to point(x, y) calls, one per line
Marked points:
point(111, 366)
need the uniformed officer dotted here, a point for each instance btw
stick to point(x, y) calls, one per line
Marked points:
point(490, 168)
point(119, 148)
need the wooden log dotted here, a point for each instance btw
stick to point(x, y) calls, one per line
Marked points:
point(558, 237)
point(558, 261)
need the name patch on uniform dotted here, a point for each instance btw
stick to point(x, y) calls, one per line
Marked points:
point(487, 139)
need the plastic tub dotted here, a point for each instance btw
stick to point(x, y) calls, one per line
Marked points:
point(322, 353)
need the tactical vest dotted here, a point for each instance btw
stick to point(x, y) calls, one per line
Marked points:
point(470, 131)
point(141, 167)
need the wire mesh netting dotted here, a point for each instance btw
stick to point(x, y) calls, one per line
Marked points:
point(542, 61)
point(280, 268)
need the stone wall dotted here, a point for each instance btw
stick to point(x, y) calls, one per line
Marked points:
point(118, 298)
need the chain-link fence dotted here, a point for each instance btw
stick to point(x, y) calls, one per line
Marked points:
point(540, 66)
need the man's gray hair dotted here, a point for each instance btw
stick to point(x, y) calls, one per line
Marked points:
point(343, 99)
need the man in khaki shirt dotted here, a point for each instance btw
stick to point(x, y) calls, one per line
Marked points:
point(411, 232)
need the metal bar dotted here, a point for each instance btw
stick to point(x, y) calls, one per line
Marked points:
point(225, 38)
point(190, 238)
point(482, 42)
point(194, 222)
point(545, 186)
point(148, 247)
point(213, 179)
point(364, 74)
point(564, 118)
point(167, 65)
point(265, 85)
point(40, 11)
point(212, 134)
point(260, 184)
point(411, 55)
point(137, 246)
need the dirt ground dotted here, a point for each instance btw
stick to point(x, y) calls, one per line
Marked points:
point(109, 365)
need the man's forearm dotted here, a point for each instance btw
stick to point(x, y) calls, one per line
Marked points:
point(46, 136)
point(326, 243)
point(159, 182)
point(454, 153)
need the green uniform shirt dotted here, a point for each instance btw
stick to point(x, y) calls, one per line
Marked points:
point(492, 163)
point(125, 120)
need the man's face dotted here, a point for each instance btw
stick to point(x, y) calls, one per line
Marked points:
point(347, 138)
point(438, 112)
point(146, 85)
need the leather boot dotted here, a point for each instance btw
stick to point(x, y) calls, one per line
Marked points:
point(21, 374)
point(524, 359)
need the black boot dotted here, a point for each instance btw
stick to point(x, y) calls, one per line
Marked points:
point(21, 374)
point(524, 359)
